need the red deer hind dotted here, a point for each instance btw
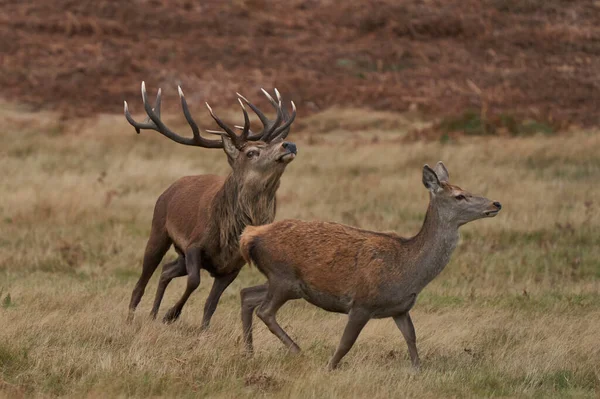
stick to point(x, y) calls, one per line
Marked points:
point(203, 216)
point(364, 274)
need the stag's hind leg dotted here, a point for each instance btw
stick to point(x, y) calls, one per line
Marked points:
point(274, 300)
point(192, 266)
point(157, 246)
point(169, 272)
point(251, 297)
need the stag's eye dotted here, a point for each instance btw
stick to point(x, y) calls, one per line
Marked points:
point(460, 197)
point(251, 154)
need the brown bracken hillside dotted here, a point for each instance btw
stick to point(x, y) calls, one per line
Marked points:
point(504, 59)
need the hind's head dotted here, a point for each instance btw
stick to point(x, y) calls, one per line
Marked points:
point(453, 204)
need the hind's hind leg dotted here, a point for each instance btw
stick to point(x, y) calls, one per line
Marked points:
point(251, 297)
point(275, 298)
point(157, 246)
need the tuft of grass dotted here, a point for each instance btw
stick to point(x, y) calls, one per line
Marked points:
point(7, 302)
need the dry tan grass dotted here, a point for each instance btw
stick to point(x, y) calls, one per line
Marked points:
point(515, 313)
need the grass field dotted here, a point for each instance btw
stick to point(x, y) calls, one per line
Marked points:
point(516, 313)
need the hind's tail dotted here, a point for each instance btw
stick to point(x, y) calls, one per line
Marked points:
point(248, 241)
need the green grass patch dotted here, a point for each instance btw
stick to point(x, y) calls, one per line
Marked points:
point(471, 123)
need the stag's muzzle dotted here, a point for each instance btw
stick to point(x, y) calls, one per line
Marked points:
point(291, 147)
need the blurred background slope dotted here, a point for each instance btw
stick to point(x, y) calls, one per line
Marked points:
point(504, 61)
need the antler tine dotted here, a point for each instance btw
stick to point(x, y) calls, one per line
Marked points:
point(246, 128)
point(268, 125)
point(188, 115)
point(153, 122)
point(271, 99)
point(267, 132)
point(257, 111)
point(283, 130)
point(157, 103)
point(147, 124)
point(263, 119)
point(278, 95)
point(234, 137)
point(138, 126)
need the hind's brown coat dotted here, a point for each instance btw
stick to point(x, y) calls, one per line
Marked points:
point(363, 273)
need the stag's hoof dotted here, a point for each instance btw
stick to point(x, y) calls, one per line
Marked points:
point(415, 369)
point(171, 315)
point(331, 366)
point(248, 353)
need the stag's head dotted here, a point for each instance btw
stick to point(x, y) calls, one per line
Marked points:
point(253, 156)
point(259, 160)
point(261, 156)
point(453, 204)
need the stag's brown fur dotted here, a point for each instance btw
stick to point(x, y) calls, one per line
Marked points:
point(203, 216)
point(363, 273)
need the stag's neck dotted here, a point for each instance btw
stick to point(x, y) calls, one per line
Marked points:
point(239, 204)
point(433, 247)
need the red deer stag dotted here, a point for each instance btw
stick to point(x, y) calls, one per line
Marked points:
point(364, 274)
point(203, 216)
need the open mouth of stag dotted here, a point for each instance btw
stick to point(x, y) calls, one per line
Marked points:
point(287, 157)
point(491, 214)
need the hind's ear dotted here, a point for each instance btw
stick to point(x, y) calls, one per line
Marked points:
point(441, 172)
point(430, 179)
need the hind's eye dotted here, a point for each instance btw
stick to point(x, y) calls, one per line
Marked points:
point(251, 154)
point(460, 197)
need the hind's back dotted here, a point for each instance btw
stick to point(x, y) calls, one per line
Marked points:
point(330, 258)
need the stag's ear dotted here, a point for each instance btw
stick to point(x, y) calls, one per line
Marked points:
point(430, 179)
point(230, 149)
point(441, 172)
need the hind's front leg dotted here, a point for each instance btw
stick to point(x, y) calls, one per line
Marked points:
point(405, 324)
point(357, 319)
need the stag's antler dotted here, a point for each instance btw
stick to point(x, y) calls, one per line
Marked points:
point(271, 129)
point(153, 122)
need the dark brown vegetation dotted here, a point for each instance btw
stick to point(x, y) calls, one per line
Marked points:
point(504, 61)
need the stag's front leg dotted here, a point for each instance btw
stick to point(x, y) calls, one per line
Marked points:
point(219, 285)
point(192, 265)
